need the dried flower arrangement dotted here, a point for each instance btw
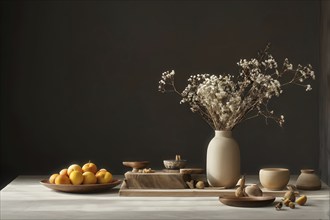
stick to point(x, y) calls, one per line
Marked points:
point(224, 101)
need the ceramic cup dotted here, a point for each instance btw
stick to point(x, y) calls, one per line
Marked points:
point(274, 178)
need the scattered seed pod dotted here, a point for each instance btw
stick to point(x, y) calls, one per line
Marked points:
point(190, 184)
point(286, 202)
point(200, 185)
point(240, 190)
point(302, 200)
point(290, 195)
point(292, 205)
point(278, 206)
point(242, 182)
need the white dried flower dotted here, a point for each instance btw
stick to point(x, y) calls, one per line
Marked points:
point(308, 87)
point(224, 101)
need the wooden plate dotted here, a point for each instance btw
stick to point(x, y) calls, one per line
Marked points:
point(80, 188)
point(247, 201)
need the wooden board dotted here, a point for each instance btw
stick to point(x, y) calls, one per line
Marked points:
point(157, 180)
point(206, 192)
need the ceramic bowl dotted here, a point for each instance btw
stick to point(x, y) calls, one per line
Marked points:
point(274, 178)
point(175, 164)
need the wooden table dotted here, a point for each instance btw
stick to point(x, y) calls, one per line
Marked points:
point(26, 198)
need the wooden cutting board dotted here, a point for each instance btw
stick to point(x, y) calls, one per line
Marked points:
point(157, 180)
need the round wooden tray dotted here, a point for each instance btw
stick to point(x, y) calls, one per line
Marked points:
point(87, 188)
point(247, 201)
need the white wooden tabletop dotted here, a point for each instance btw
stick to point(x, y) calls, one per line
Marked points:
point(26, 198)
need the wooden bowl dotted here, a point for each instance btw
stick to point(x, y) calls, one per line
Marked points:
point(85, 188)
point(136, 165)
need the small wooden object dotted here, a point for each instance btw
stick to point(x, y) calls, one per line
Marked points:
point(136, 165)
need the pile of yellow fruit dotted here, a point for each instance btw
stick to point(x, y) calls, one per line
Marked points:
point(77, 175)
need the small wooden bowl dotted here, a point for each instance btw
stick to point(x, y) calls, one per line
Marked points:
point(136, 165)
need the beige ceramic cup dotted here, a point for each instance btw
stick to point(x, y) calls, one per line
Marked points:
point(274, 178)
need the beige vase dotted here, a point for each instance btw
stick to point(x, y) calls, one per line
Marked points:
point(223, 160)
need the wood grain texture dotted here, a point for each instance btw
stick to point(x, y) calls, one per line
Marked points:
point(192, 170)
point(157, 180)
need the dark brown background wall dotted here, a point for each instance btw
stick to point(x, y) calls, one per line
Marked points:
point(79, 81)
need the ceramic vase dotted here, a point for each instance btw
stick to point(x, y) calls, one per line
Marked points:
point(223, 160)
point(308, 180)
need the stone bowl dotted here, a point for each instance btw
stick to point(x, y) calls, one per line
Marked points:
point(274, 178)
point(175, 164)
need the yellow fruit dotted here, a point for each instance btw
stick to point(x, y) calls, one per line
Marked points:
point(64, 172)
point(62, 179)
point(52, 178)
point(101, 170)
point(89, 178)
point(76, 177)
point(91, 167)
point(104, 177)
point(74, 167)
point(302, 200)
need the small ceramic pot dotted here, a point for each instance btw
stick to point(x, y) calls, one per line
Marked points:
point(308, 180)
point(175, 164)
point(274, 178)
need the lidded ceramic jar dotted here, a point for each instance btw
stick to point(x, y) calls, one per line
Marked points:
point(308, 180)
